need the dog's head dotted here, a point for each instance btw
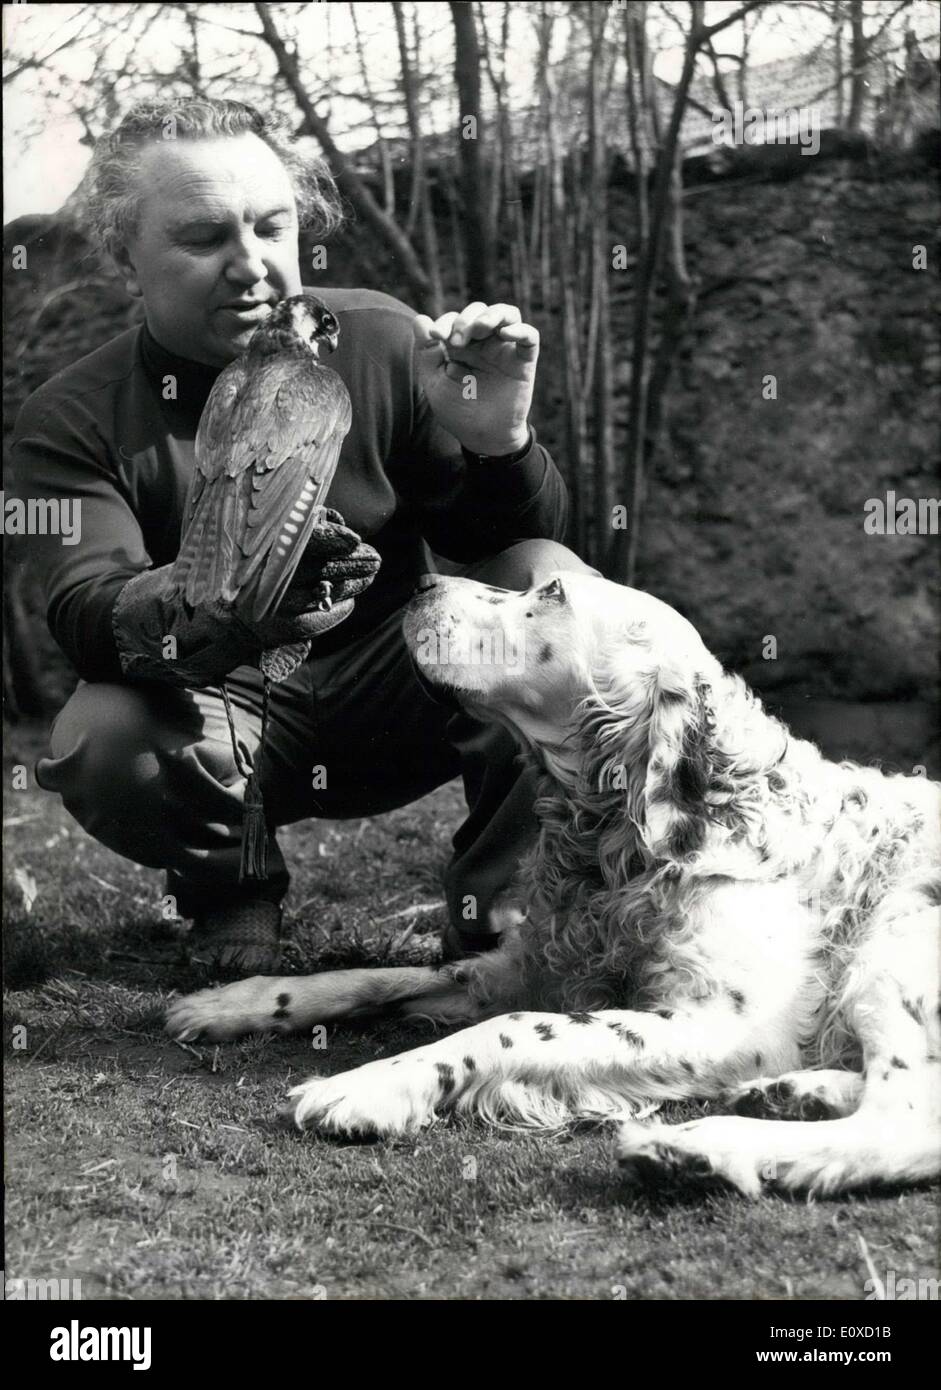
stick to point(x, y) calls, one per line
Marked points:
point(612, 689)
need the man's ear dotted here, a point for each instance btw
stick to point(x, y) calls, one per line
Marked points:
point(122, 258)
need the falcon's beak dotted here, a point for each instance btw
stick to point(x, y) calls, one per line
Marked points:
point(331, 340)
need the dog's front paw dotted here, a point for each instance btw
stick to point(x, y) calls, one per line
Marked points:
point(382, 1099)
point(230, 1011)
point(671, 1156)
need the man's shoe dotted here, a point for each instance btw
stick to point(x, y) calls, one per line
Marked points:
point(242, 938)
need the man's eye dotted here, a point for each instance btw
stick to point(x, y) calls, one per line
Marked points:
point(203, 239)
point(272, 232)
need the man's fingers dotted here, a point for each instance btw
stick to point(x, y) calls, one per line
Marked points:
point(496, 317)
point(462, 321)
point(425, 335)
point(524, 336)
point(441, 328)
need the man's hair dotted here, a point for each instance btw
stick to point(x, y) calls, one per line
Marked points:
point(111, 193)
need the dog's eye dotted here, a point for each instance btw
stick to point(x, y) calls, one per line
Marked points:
point(553, 590)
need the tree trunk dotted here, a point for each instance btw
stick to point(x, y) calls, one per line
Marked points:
point(420, 210)
point(858, 65)
point(624, 550)
point(478, 239)
point(600, 241)
point(556, 238)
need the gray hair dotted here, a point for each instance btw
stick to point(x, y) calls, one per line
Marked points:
point(111, 196)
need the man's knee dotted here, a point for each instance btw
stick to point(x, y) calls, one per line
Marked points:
point(528, 563)
point(111, 746)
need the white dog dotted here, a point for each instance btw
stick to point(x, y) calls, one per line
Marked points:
point(713, 911)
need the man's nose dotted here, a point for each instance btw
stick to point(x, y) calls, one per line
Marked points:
point(247, 265)
point(427, 581)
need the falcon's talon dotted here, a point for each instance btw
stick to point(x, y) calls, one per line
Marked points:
point(325, 602)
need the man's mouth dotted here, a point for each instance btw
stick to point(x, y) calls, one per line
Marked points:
point(248, 310)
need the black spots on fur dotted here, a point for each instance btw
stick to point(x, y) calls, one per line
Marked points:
point(911, 1009)
point(545, 654)
point(664, 1013)
point(283, 1001)
point(758, 1060)
point(688, 1067)
point(470, 1064)
point(626, 1035)
point(515, 1017)
point(689, 781)
point(897, 1062)
point(281, 1013)
point(396, 1061)
point(686, 836)
point(886, 1075)
point(505, 1041)
point(581, 1018)
point(738, 999)
point(445, 1077)
point(545, 1031)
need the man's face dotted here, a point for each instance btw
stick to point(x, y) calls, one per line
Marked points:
point(216, 243)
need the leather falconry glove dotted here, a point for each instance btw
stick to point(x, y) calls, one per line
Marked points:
point(210, 640)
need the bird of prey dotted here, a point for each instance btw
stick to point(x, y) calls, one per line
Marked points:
point(266, 451)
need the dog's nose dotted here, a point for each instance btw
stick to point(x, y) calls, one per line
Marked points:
point(427, 581)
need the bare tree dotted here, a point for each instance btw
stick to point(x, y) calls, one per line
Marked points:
point(858, 64)
point(478, 237)
point(600, 371)
point(664, 228)
point(348, 180)
point(419, 209)
point(555, 234)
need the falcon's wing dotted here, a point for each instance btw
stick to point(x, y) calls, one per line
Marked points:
point(266, 451)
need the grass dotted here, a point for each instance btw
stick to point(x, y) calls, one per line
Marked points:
point(153, 1170)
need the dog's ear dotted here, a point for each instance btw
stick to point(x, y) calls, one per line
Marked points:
point(681, 759)
point(712, 755)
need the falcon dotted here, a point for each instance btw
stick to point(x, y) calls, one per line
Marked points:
point(266, 451)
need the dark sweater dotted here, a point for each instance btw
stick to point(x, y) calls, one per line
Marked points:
point(101, 431)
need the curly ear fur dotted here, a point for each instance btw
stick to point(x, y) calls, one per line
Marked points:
point(711, 750)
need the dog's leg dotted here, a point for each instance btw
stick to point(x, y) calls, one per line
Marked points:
point(890, 1002)
point(544, 1069)
point(292, 1003)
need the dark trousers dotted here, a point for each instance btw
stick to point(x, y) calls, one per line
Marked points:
point(148, 769)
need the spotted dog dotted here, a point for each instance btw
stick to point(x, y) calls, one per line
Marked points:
point(713, 911)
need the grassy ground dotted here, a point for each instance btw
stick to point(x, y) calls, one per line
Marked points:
point(148, 1169)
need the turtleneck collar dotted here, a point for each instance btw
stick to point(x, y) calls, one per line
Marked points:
point(194, 380)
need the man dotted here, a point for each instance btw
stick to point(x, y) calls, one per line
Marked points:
point(199, 202)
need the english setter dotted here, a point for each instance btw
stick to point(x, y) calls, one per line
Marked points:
point(713, 911)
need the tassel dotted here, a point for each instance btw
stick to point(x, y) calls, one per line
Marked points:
point(254, 862)
point(254, 833)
